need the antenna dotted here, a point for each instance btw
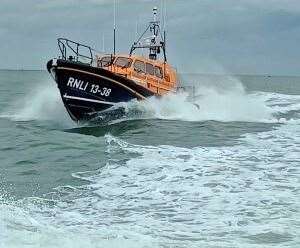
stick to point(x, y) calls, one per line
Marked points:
point(155, 14)
point(136, 30)
point(164, 27)
point(161, 12)
point(155, 43)
point(103, 44)
point(165, 15)
point(114, 27)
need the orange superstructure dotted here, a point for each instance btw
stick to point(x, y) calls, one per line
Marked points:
point(155, 75)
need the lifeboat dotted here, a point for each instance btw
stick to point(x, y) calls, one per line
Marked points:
point(91, 82)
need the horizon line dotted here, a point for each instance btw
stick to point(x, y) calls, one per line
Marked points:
point(200, 73)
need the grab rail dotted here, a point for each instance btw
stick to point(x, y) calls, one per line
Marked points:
point(73, 51)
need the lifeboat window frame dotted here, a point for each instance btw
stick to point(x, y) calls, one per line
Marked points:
point(127, 64)
point(148, 70)
point(104, 63)
point(139, 69)
point(158, 69)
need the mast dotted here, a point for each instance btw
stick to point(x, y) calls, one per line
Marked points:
point(103, 44)
point(114, 27)
point(155, 43)
point(165, 24)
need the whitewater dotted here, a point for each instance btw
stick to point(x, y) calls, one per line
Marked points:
point(221, 170)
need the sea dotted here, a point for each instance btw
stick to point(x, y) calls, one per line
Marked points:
point(216, 168)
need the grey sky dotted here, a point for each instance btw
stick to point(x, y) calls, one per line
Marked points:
point(206, 36)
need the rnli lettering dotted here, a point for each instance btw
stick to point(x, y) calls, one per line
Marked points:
point(78, 84)
point(86, 86)
point(70, 82)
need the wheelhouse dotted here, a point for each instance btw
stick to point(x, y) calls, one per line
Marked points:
point(158, 76)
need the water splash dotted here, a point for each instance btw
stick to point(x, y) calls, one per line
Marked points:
point(41, 103)
point(225, 100)
point(230, 102)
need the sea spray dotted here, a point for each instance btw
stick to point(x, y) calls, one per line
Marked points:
point(224, 101)
point(42, 102)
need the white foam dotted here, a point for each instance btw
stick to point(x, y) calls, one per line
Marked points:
point(42, 102)
point(172, 196)
point(35, 226)
point(226, 102)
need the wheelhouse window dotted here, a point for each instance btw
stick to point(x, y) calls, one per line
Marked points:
point(139, 66)
point(123, 62)
point(150, 69)
point(158, 72)
point(106, 61)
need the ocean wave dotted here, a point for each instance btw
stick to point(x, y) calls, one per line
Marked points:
point(229, 103)
point(171, 196)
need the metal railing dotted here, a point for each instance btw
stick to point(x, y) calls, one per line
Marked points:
point(74, 51)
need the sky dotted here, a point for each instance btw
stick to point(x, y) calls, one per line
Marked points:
point(204, 36)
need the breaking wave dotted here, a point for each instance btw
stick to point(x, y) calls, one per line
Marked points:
point(41, 103)
point(228, 102)
point(170, 196)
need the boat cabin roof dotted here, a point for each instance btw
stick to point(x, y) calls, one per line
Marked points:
point(132, 58)
point(134, 66)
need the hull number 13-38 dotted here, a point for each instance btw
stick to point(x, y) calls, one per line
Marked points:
point(86, 86)
point(102, 91)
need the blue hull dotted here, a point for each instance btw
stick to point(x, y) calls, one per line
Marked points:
point(87, 90)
